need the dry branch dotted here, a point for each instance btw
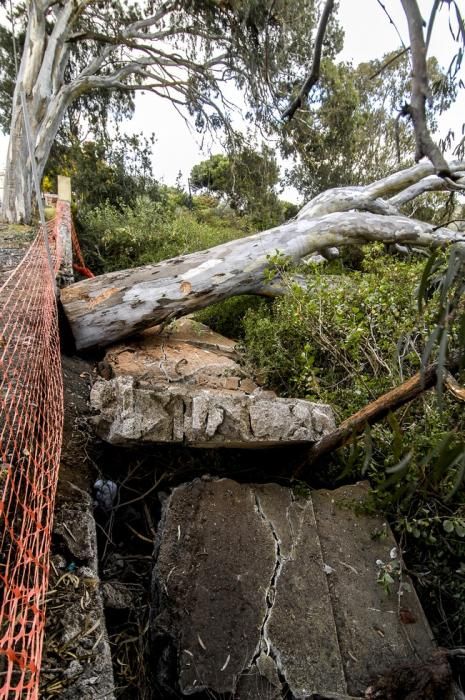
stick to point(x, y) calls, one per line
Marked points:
point(425, 145)
point(314, 74)
point(377, 410)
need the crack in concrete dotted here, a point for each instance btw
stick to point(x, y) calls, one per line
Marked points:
point(264, 642)
point(291, 526)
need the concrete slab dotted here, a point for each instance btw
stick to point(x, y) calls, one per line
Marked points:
point(260, 592)
point(128, 412)
point(376, 630)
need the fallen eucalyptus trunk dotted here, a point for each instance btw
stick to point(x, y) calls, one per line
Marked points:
point(105, 309)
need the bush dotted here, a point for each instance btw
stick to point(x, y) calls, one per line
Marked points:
point(116, 238)
point(227, 317)
point(337, 341)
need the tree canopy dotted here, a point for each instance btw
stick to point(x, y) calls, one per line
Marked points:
point(74, 53)
point(349, 132)
point(247, 179)
point(82, 62)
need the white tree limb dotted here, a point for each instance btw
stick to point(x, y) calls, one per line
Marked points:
point(432, 183)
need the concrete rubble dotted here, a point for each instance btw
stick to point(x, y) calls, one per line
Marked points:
point(186, 386)
point(77, 663)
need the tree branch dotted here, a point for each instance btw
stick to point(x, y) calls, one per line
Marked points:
point(374, 412)
point(118, 304)
point(315, 69)
point(371, 197)
point(389, 62)
point(433, 183)
point(425, 145)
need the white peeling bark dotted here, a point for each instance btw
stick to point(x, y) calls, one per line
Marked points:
point(105, 309)
point(125, 55)
point(372, 197)
point(40, 77)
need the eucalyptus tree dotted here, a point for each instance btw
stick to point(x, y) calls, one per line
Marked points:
point(117, 304)
point(348, 131)
point(182, 50)
point(246, 179)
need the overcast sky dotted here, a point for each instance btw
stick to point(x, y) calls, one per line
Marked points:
point(368, 35)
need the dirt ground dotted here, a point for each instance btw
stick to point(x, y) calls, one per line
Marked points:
point(76, 659)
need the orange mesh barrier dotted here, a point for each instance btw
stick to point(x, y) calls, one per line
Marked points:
point(31, 420)
point(80, 266)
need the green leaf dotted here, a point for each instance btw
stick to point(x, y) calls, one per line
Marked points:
point(452, 270)
point(404, 462)
point(435, 335)
point(368, 449)
point(422, 289)
point(442, 358)
point(458, 478)
point(397, 436)
point(438, 448)
point(461, 339)
point(446, 459)
point(397, 472)
point(448, 525)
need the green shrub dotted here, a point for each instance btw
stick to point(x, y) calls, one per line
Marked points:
point(116, 238)
point(227, 316)
point(337, 340)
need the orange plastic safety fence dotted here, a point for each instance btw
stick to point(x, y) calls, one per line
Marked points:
point(31, 421)
point(77, 252)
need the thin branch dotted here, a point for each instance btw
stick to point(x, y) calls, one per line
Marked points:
point(432, 18)
point(432, 183)
point(391, 21)
point(385, 65)
point(315, 69)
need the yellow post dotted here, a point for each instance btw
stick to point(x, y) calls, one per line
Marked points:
point(64, 188)
point(63, 213)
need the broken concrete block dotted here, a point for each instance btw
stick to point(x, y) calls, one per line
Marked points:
point(129, 413)
point(185, 385)
point(186, 351)
point(210, 578)
point(374, 631)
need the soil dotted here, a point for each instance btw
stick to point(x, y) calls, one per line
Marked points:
point(14, 242)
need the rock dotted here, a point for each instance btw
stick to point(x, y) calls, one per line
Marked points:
point(75, 523)
point(244, 604)
point(186, 351)
point(129, 413)
point(118, 596)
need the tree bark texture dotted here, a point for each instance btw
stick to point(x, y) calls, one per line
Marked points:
point(425, 145)
point(105, 309)
point(41, 78)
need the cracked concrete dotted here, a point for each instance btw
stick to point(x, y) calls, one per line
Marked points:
point(245, 603)
point(186, 385)
point(129, 412)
